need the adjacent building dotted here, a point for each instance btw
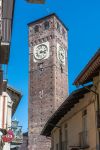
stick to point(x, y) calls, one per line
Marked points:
point(76, 123)
point(48, 75)
point(9, 101)
point(6, 20)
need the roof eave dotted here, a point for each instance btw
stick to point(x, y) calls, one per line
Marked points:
point(19, 98)
point(54, 119)
point(79, 81)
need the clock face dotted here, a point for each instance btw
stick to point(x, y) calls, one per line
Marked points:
point(61, 54)
point(41, 51)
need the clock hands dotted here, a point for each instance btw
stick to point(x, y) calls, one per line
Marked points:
point(41, 52)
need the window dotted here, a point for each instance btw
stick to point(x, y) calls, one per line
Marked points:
point(84, 120)
point(83, 136)
point(57, 148)
point(61, 68)
point(40, 66)
point(30, 30)
point(36, 28)
point(52, 142)
point(46, 25)
point(58, 26)
point(64, 33)
point(65, 136)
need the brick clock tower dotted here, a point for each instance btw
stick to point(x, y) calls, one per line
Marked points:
point(48, 75)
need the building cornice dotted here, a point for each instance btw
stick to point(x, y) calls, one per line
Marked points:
point(91, 70)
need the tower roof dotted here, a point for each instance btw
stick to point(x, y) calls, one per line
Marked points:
point(46, 17)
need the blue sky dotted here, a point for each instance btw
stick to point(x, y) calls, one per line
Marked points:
point(82, 17)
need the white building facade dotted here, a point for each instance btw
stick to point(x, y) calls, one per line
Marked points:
point(8, 103)
point(5, 114)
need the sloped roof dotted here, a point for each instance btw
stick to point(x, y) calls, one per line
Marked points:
point(15, 97)
point(91, 70)
point(69, 103)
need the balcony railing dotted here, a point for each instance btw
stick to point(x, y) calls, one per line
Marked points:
point(83, 137)
point(5, 40)
point(5, 30)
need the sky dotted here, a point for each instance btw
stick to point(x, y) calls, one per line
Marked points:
point(82, 17)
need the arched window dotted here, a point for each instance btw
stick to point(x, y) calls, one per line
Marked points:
point(58, 26)
point(64, 33)
point(46, 25)
point(36, 28)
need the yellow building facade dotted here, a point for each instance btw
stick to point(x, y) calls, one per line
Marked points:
point(75, 125)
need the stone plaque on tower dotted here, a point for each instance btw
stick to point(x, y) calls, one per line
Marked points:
point(48, 75)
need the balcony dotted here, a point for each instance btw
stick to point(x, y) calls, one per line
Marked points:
point(5, 40)
point(4, 52)
point(83, 140)
point(5, 30)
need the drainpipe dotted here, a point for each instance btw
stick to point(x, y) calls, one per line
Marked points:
point(60, 139)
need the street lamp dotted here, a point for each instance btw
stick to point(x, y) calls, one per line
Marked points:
point(36, 1)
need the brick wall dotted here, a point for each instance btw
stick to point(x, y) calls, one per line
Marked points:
point(48, 87)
